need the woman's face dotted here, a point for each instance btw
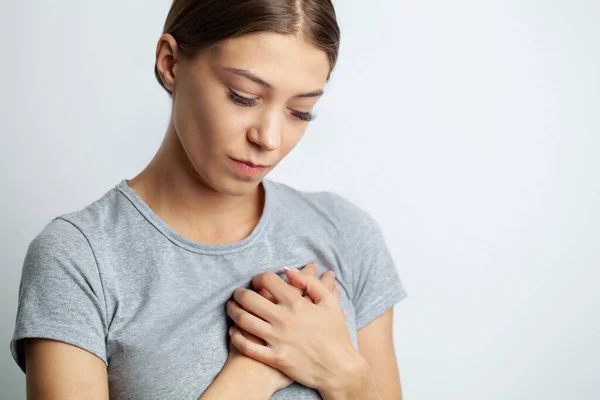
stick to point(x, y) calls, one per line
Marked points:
point(248, 99)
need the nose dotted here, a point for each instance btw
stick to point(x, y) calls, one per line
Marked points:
point(266, 132)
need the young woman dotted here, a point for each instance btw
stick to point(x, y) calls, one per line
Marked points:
point(181, 283)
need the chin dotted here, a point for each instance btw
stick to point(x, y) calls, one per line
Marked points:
point(234, 186)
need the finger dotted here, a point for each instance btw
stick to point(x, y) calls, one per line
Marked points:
point(280, 290)
point(256, 304)
point(328, 280)
point(253, 350)
point(251, 337)
point(337, 290)
point(267, 295)
point(313, 286)
point(337, 293)
point(249, 322)
point(310, 269)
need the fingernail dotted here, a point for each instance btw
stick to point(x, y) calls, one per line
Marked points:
point(337, 285)
point(345, 311)
point(291, 269)
point(331, 272)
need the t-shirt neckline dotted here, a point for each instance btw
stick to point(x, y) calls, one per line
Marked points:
point(188, 244)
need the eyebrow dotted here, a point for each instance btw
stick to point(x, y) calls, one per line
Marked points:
point(262, 82)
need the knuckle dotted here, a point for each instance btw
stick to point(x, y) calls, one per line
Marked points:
point(297, 303)
point(298, 307)
point(279, 359)
point(243, 319)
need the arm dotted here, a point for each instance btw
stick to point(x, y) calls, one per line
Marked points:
point(376, 344)
point(60, 371)
point(57, 370)
point(234, 382)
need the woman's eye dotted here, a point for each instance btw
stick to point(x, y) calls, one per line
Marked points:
point(304, 116)
point(248, 102)
point(241, 100)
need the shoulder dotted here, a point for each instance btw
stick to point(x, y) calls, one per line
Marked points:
point(97, 214)
point(338, 210)
point(60, 246)
point(69, 232)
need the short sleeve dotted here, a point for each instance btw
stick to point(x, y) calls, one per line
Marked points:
point(376, 283)
point(60, 294)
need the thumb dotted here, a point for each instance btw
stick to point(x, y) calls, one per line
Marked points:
point(313, 286)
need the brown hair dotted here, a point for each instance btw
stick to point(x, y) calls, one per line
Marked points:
point(196, 24)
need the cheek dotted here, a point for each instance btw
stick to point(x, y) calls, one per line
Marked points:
point(290, 138)
point(201, 122)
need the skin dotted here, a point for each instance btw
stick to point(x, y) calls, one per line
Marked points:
point(193, 185)
point(307, 340)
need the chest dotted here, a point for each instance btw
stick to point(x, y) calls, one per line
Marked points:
point(167, 337)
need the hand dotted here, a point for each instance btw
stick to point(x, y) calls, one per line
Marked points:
point(327, 279)
point(276, 379)
point(307, 341)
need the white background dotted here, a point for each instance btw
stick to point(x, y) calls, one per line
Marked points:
point(469, 129)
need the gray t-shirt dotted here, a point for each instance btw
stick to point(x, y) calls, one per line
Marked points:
point(117, 281)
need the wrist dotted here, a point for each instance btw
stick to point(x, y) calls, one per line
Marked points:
point(349, 380)
point(240, 370)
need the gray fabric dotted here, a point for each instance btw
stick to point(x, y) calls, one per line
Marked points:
point(116, 280)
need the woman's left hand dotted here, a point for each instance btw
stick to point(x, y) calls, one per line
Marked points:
point(307, 340)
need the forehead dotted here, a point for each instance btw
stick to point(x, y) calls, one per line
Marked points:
point(287, 62)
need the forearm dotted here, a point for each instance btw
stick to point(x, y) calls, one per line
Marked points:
point(358, 384)
point(236, 383)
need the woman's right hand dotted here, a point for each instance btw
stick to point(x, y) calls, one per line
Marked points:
point(273, 377)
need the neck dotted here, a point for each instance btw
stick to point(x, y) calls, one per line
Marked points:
point(175, 192)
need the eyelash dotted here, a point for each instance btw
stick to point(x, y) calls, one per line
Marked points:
point(246, 102)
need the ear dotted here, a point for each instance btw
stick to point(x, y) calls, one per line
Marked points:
point(167, 58)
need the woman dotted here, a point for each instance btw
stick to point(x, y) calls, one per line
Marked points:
point(133, 296)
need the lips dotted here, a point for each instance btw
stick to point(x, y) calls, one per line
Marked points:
point(252, 164)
